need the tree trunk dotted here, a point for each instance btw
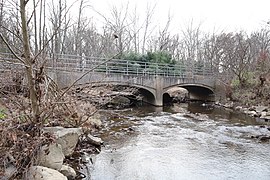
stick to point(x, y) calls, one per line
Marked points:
point(35, 27)
point(29, 63)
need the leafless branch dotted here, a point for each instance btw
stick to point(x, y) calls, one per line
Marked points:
point(12, 32)
point(32, 14)
point(11, 50)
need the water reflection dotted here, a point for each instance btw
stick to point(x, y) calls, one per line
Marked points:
point(167, 145)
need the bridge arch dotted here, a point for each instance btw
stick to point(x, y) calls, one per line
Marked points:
point(195, 91)
point(148, 94)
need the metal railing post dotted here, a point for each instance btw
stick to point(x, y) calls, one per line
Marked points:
point(127, 67)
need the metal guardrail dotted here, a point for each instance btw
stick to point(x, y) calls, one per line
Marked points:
point(120, 66)
point(73, 63)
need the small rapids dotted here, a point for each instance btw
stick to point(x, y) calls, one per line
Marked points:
point(194, 142)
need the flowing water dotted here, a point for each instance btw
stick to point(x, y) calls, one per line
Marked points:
point(193, 142)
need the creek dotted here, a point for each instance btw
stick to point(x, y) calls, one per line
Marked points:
point(188, 141)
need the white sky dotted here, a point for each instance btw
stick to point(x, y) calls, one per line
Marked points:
point(213, 15)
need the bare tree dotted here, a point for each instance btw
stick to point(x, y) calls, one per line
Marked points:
point(117, 27)
point(147, 32)
point(56, 20)
point(134, 31)
point(164, 36)
point(235, 55)
point(1, 12)
point(28, 62)
point(35, 27)
point(81, 25)
point(261, 48)
point(260, 42)
point(192, 44)
point(212, 51)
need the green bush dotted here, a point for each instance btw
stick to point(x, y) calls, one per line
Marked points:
point(131, 56)
point(2, 114)
point(153, 57)
point(145, 63)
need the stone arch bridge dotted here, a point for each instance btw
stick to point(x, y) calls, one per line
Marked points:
point(152, 79)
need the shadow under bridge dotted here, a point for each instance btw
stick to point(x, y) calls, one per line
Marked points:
point(197, 92)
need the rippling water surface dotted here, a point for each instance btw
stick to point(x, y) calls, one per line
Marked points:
point(192, 142)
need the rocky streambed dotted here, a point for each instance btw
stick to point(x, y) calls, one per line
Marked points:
point(260, 113)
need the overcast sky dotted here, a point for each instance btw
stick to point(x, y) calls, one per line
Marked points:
point(226, 15)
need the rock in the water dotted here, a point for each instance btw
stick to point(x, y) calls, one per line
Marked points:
point(178, 94)
point(94, 140)
point(67, 137)
point(120, 101)
point(262, 120)
point(252, 108)
point(252, 113)
point(228, 105)
point(264, 138)
point(238, 108)
point(245, 110)
point(44, 173)
point(68, 171)
point(95, 121)
point(260, 109)
point(200, 117)
point(197, 116)
point(179, 108)
point(265, 116)
point(51, 156)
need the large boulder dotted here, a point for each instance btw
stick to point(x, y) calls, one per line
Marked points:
point(265, 114)
point(95, 121)
point(94, 140)
point(68, 171)
point(120, 101)
point(252, 113)
point(51, 156)
point(266, 118)
point(260, 109)
point(66, 137)
point(178, 94)
point(44, 173)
